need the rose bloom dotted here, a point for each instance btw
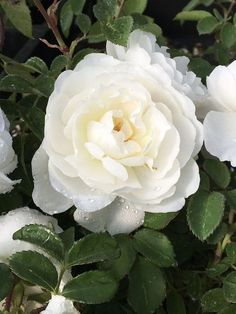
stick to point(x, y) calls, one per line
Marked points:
point(220, 122)
point(121, 137)
point(8, 159)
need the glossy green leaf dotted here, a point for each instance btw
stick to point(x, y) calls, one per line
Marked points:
point(91, 287)
point(147, 288)
point(35, 268)
point(213, 300)
point(155, 246)
point(77, 6)
point(37, 64)
point(43, 237)
point(204, 213)
point(218, 172)
point(158, 221)
point(93, 248)
point(7, 280)
point(121, 266)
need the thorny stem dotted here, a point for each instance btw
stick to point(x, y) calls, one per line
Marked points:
point(52, 25)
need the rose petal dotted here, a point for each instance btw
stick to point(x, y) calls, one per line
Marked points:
point(44, 195)
point(220, 135)
point(119, 217)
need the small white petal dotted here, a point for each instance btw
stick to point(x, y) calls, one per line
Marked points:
point(60, 305)
point(115, 168)
point(121, 216)
point(220, 135)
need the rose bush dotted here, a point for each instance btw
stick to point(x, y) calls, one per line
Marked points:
point(8, 158)
point(115, 140)
point(219, 124)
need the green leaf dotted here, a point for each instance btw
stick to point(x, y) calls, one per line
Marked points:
point(45, 85)
point(35, 121)
point(194, 15)
point(204, 213)
point(155, 246)
point(91, 287)
point(231, 198)
point(43, 237)
point(218, 172)
point(213, 300)
point(93, 248)
point(118, 31)
point(7, 280)
point(35, 268)
point(58, 65)
point(121, 266)
point(218, 234)
point(228, 35)
point(134, 6)
point(84, 23)
point(231, 252)
point(175, 303)
point(147, 288)
point(37, 64)
point(77, 6)
point(19, 15)
point(152, 28)
point(105, 10)
point(96, 34)
point(66, 18)
point(68, 237)
point(158, 221)
point(15, 84)
point(207, 25)
point(229, 287)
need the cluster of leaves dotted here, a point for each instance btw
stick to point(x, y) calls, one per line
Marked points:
point(174, 264)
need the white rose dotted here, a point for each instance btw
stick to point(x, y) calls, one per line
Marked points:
point(8, 159)
point(15, 220)
point(120, 139)
point(176, 68)
point(60, 305)
point(220, 124)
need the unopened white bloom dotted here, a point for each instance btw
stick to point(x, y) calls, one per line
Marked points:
point(121, 137)
point(60, 305)
point(220, 124)
point(15, 220)
point(8, 159)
